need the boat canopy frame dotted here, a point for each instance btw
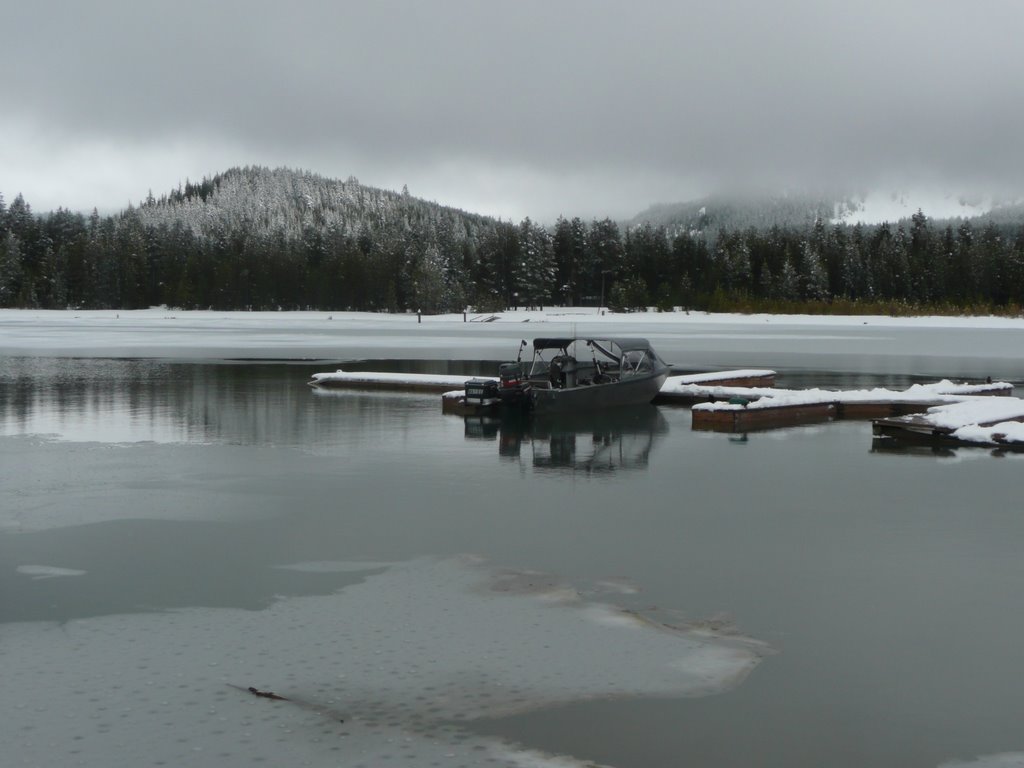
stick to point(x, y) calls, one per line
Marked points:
point(626, 344)
point(635, 356)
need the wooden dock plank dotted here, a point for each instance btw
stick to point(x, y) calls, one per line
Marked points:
point(742, 419)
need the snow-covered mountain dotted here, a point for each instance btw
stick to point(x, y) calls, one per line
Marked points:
point(877, 207)
point(739, 212)
point(287, 203)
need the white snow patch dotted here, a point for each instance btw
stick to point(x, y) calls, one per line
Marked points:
point(944, 391)
point(979, 411)
point(611, 616)
point(157, 332)
point(701, 378)
point(385, 377)
point(878, 207)
point(47, 571)
point(1004, 432)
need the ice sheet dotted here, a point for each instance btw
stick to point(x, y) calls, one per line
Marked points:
point(47, 571)
point(402, 659)
point(1001, 760)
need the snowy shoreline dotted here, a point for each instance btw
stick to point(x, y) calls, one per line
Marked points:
point(553, 315)
point(933, 346)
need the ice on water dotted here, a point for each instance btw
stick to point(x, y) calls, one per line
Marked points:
point(1001, 760)
point(47, 571)
point(405, 658)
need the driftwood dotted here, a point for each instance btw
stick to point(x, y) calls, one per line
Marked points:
point(266, 694)
point(325, 711)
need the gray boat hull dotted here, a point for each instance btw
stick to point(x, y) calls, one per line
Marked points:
point(634, 390)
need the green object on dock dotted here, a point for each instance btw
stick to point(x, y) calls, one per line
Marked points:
point(739, 401)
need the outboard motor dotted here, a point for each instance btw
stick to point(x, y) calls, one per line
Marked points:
point(513, 384)
point(510, 374)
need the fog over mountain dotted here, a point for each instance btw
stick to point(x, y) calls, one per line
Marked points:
point(581, 108)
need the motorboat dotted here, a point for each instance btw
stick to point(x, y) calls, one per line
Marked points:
point(579, 374)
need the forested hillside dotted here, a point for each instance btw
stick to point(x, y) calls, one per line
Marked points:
point(256, 238)
point(709, 215)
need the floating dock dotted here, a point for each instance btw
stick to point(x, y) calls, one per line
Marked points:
point(694, 388)
point(677, 390)
point(745, 410)
point(403, 382)
point(998, 424)
point(737, 401)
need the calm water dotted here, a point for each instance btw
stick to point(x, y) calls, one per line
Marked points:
point(887, 584)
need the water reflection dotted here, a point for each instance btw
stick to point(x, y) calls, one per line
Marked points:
point(895, 446)
point(619, 439)
point(133, 401)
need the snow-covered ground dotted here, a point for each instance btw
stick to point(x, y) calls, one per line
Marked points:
point(931, 346)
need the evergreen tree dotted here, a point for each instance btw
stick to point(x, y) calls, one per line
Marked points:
point(648, 257)
point(533, 274)
point(921, 261)
point(812, 279)
point(10, 270)
point(989, 265)
point(604, 260)
point(961, 278)
point(569, 246)
point(499, 252)
point(787, 284)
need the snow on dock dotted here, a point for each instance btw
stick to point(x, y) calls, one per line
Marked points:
point(700, 387)
point(417, 382)
point(995, 422)
point(675, 388)
point(746, 399)
point(741, 409)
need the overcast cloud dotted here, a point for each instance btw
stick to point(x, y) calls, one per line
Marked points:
point(518, 108)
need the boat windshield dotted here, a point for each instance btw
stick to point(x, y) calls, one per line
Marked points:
point(637, 361)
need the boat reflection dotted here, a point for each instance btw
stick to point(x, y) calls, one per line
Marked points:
point(616, 440)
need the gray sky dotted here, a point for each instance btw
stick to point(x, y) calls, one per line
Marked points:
point(514, 108)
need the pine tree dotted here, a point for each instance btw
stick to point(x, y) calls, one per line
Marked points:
point(812, 280)
point(604, 260)
point(920, 260)
point(533, 274)
point(961, 279)
point(499, 252)
point(10, 270)
point(569, 253)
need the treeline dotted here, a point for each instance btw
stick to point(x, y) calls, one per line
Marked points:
point(259, 239)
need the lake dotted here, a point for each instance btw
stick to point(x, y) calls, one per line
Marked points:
point(171, 528)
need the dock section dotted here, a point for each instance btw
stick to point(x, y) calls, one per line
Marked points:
point(704, 387)
point(995, 423)
point(677, 390)
point(942, 413)
point(738, 409)
point(407, 382)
